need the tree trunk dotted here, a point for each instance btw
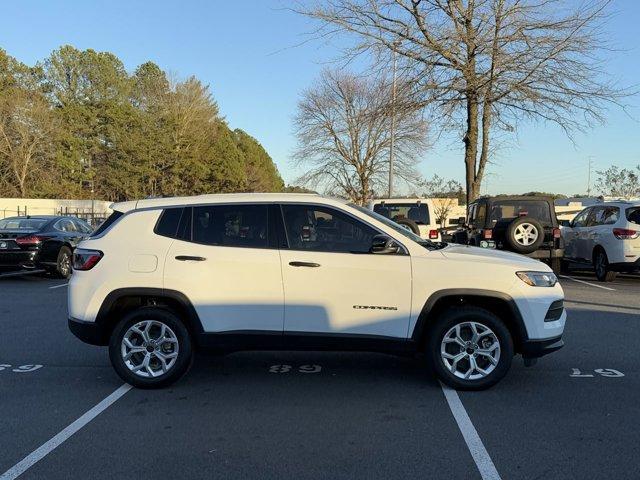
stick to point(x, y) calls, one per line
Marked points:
point(471, 148)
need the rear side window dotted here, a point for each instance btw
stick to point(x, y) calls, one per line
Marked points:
point(231, 225)
point(107, 223)
point(507, 209)
point(168, 222)
point(633, 215)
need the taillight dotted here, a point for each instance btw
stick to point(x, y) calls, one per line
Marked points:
point(30, 240)
point(556, 233)
point(625, 234)
point(85, 259)
point(487, 234)
point(433, 234)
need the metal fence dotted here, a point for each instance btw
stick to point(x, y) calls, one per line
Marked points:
point(91, 216)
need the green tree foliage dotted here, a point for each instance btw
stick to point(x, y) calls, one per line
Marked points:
point(619, 182)
point(79, 122)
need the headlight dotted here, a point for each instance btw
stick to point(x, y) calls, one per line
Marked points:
point(538, 279)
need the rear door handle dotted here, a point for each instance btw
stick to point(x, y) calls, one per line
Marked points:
point(304, 264)
point(185, 258)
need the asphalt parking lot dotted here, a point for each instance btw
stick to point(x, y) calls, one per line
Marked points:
point(319, 415)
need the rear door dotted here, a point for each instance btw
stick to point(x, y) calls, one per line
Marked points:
point(333, 285)
point(226, 261)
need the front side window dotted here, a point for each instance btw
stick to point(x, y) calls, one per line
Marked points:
point(231, 225)
point(323, 229)
point(418, 212)
point(581, 219)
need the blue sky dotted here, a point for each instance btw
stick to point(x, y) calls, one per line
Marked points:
point(250, 54)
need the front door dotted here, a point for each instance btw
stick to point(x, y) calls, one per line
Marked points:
point(333, 285)
point(229, 267)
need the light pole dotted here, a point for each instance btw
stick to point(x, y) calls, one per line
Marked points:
point(393, 120)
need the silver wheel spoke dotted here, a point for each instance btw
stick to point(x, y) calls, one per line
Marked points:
point(149, 354)
point(479, 362)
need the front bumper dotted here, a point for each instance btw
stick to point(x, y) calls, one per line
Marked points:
point(540, 348)
point(89, 332)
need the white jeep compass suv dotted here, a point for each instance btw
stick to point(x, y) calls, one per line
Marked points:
point(164, 277)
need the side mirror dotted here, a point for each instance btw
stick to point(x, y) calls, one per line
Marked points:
point(566, 223)
point(462, 221)
point(381, 244)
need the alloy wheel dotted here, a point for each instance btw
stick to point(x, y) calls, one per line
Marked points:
point(65, 265)
point(149, 348)
point(470, 350)
point(526, 234)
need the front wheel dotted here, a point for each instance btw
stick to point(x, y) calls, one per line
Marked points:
point(150, 348)
point(470, 348)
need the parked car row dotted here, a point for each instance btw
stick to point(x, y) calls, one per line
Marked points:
point(40, 242)
point(605, 236)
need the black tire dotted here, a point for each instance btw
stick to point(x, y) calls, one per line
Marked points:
point(459, 315)
point(409, 225)
point(184, 348)
point(601, 266)
point(63, 263)
point(512, 229)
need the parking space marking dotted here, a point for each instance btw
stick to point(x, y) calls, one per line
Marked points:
point(58, 286)
point(588, 283)
point(47, 447)
point(477, 449)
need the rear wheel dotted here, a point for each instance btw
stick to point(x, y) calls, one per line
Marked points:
point(470, 348)
point(150, 348)
point(601, 266)
point(63, 263)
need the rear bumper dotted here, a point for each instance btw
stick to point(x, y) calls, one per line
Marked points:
point(547, 254)
point(89, 332)
point(18, 259)
point(540, 348)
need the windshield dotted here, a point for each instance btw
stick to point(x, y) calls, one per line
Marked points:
point(418, 212)
point(22, 223)
point(391, 224)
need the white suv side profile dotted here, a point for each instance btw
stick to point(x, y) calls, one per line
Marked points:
point(607, 236)
point(164, 277)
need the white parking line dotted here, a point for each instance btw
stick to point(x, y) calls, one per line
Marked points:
point(588, 283)
point(58, 286)
point(479, 453)
point(47, 447)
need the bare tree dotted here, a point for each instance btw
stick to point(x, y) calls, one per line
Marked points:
point(619, 182)
point(342, 126)
point(487, 64)
point(27, 129)
point(445, 195)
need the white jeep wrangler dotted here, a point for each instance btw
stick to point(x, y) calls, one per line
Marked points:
point(164, 277)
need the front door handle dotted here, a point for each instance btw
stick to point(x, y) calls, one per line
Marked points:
point(185, 258)
point(304, 264)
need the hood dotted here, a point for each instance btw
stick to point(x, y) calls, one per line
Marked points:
point(487, 255)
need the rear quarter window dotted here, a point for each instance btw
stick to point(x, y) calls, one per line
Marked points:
point(168, 222)
point(107, 223)
point(633, 214)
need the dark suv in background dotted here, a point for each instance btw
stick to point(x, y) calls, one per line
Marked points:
point(524, 225)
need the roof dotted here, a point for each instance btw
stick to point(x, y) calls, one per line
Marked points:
point(516, 197)
point(224, 198)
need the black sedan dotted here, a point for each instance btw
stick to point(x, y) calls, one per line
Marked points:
point(42, 242)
